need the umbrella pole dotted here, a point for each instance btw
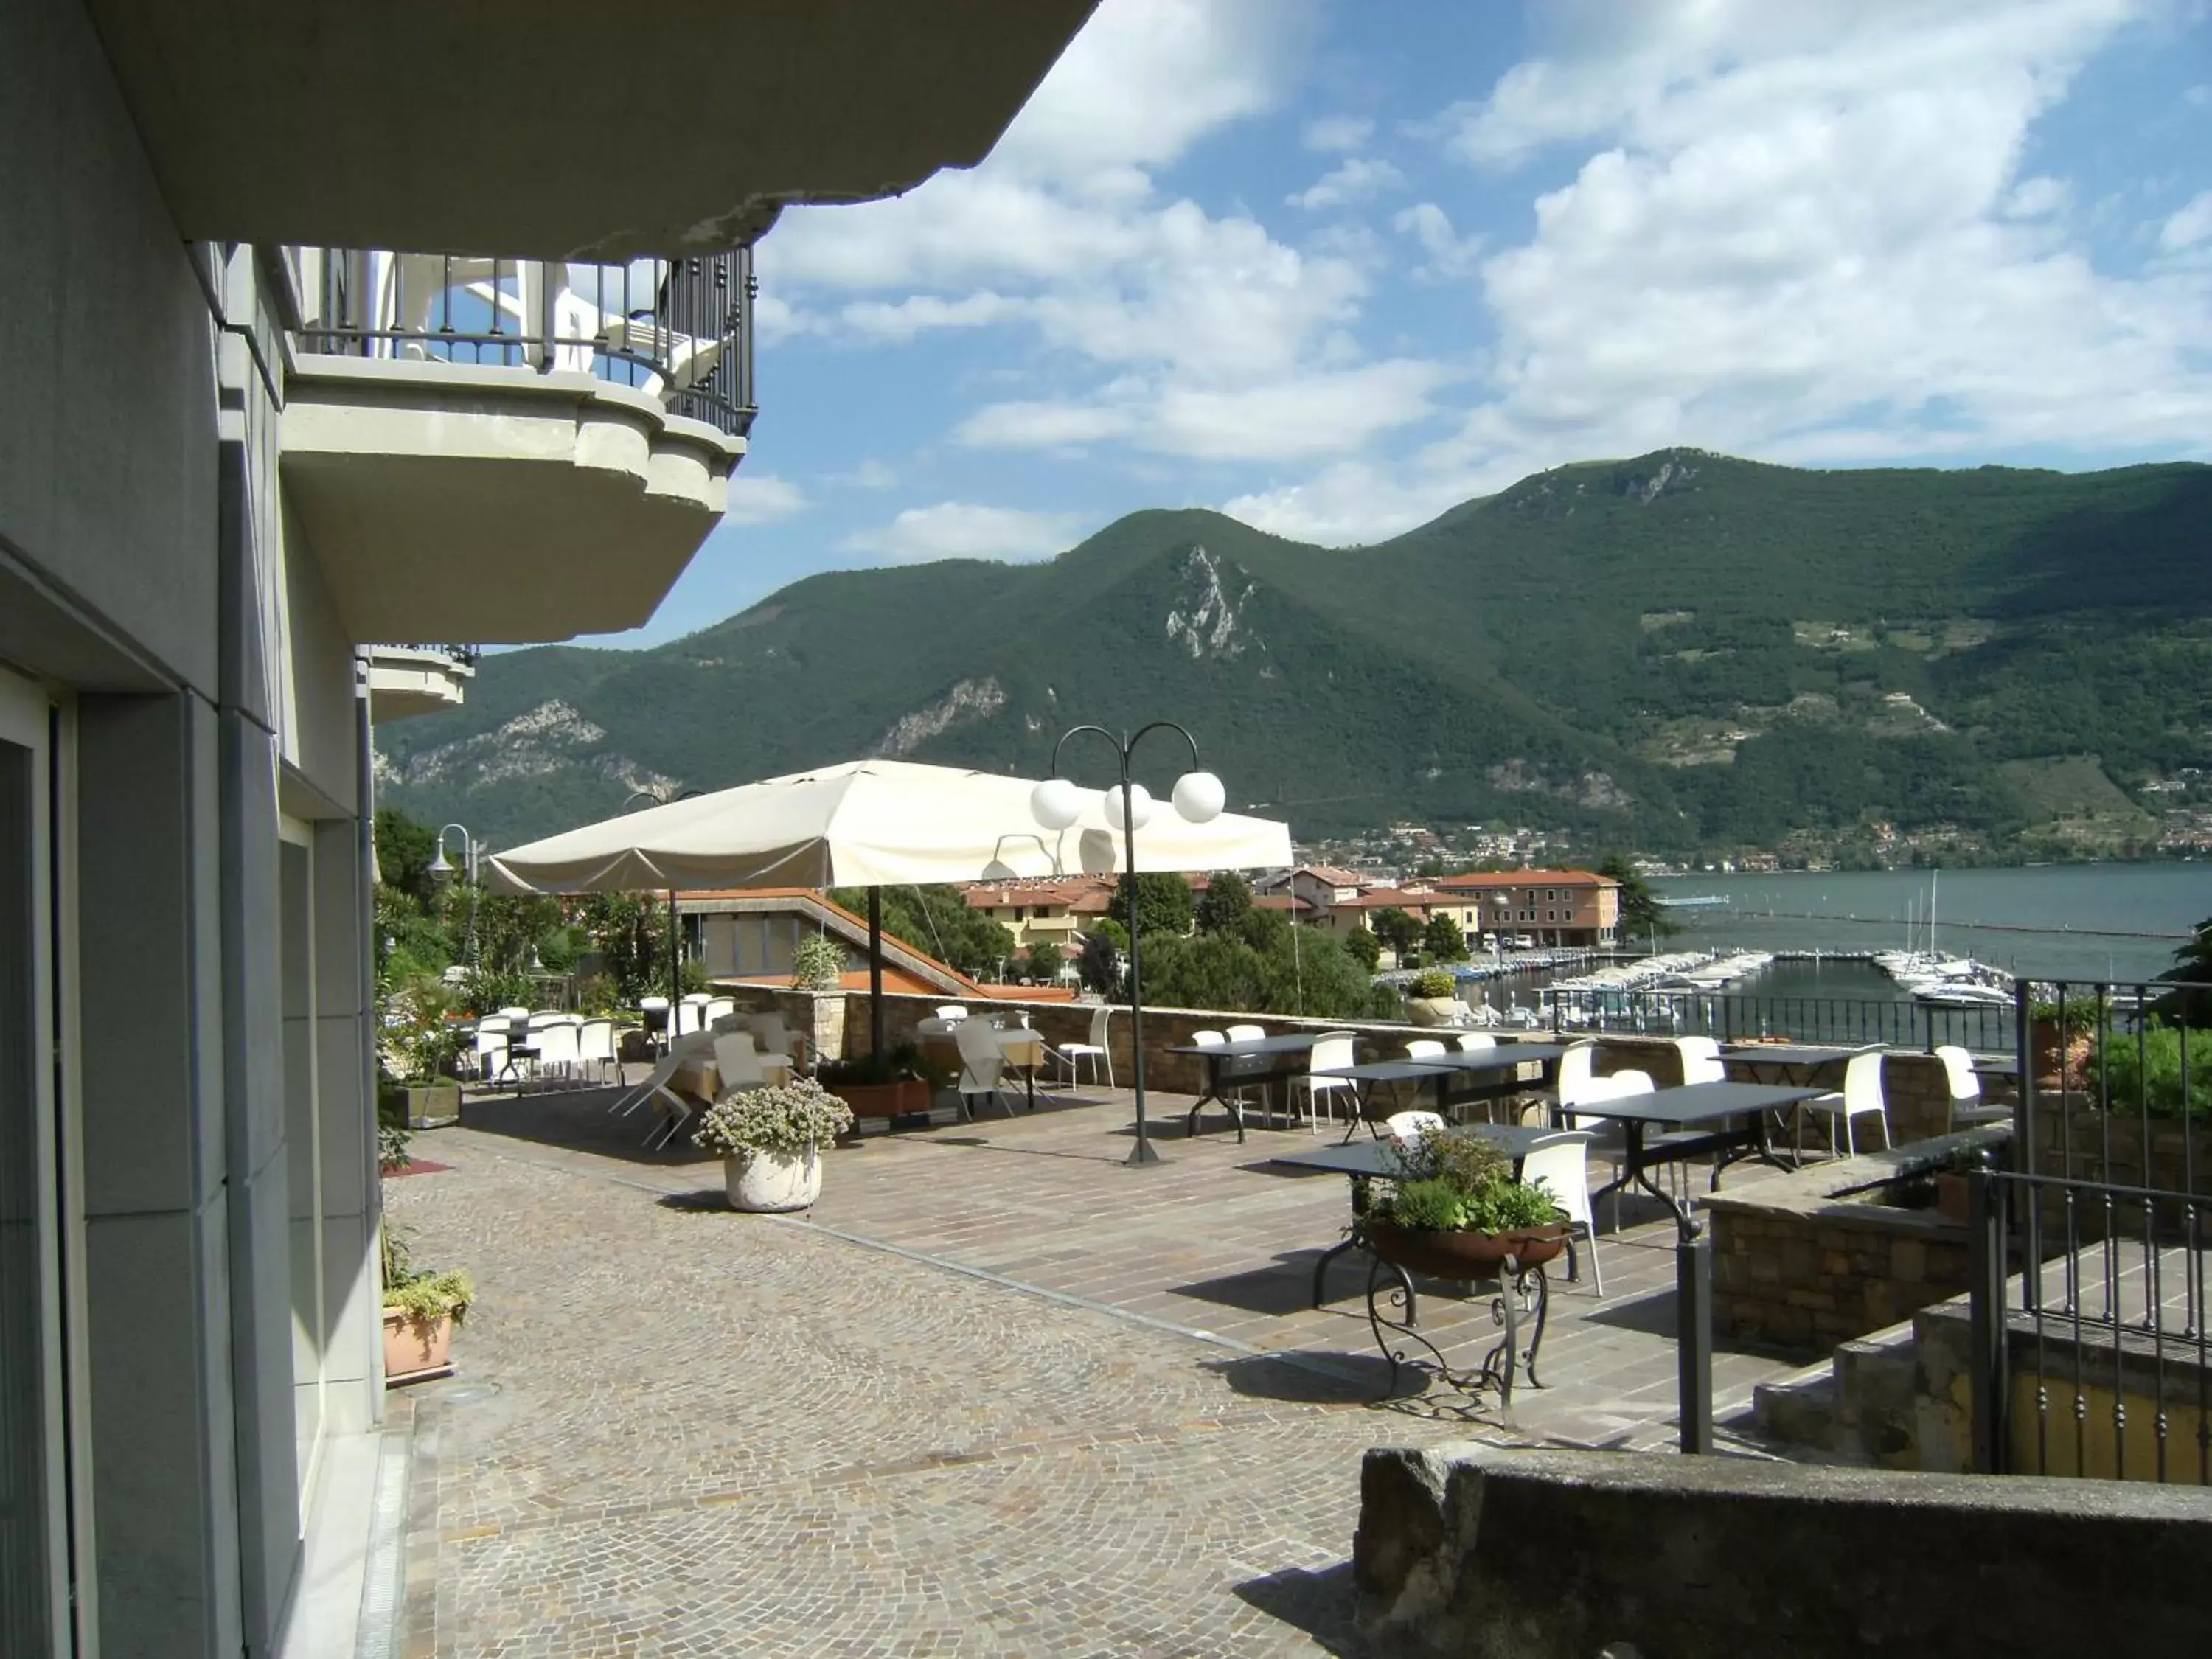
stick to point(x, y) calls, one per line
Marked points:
point(876, 1043)
point(675, 965)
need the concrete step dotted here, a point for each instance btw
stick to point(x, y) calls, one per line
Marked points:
point(1874, 1396)
point(1799, 1411)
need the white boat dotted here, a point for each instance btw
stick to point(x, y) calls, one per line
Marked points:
point(1964, 993)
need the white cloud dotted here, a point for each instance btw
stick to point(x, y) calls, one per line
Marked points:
point(1450, 255)
point(1020, 425)
point(870, 474)
point(2037, 197)
point(1354, 180)
point(963, 530)
point(918, 312)
point(762, 498)
point(1801, 234)
point(2188, 226)
point(1337, 134)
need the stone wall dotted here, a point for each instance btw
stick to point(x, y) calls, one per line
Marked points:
point(1797, 1266)
point(1480, 1552)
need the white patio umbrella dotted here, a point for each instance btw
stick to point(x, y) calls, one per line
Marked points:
point(870, 823)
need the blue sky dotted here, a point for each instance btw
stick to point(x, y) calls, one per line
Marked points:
point(1334, 265)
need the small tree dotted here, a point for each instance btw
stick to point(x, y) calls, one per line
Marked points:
point(1164, 904)
point(1223, 905)
point(2191, 1003)
point(1040, 965)
point(1642, 915)
point(1100, 965)
point(1363, 947)
point(1396, 929)
point(1442, 940)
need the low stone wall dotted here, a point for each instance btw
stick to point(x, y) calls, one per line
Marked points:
point(1797, 1266)
point(1480, 1552)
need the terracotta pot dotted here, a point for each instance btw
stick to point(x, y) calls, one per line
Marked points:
point(2057, 1056)
point(1952, 1201)
point(415, 1344)
point(1464, 1255)
point(771, 1181)
point(901, 1099)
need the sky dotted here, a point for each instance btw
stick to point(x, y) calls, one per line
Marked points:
point(1333, 266)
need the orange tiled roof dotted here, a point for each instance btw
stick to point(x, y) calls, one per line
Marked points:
point(1487, 879)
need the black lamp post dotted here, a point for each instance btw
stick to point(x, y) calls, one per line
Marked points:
point(1057, 803)
point(675, 950)
point(442, 870)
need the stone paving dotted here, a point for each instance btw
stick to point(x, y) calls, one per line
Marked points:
point(999, 1395)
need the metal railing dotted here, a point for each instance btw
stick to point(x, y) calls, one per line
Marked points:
point(2091, 1352)
point(463, 656)
point(680, 330)
point(1735, 1017)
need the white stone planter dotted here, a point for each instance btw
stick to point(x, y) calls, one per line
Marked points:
point(773, 1181)
point(1431, 1011)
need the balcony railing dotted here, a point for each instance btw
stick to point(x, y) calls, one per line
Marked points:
point(679, 330)
point(463, 656)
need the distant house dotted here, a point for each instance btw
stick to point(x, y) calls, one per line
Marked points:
point(1552, 907)
point(1043, 912)
point(1318, 885)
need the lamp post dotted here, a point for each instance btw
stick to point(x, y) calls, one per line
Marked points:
point(1057, 803)
point(442, 870)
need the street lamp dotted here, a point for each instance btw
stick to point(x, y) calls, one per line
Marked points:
point(1198, 797)
point(440, 870)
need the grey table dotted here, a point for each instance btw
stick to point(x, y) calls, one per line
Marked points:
point(1366, 1160)
point(1448, 1073)
point(1257, 1062)
point(1734, 1113)
point(1794, 1063)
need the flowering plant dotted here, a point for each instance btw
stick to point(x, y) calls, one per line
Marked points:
point(785, 1117)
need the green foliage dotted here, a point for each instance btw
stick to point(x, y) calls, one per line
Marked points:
point(1434, 982)
point(1164, 904)
point(1225, 904)
point(937, 921)
point(1642, 915)
point(1307, 973)
point(1365, 948)
point(818, 963)
point(2143, 1071)
point(2191, 1004)
point(1450, 1182)
point(405, 848)
point(1569, 627)
point(1102, 966)
point(416, 1042)
point(1397, 928)
point(423, 1293)
point(392, 1135)
point(1442, 940)
point(629, 931)
point(787, 1117)
point(1040, 965)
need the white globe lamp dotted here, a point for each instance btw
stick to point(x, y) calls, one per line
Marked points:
point(1199, 797)
point(1055, 803)
point(1140, 808)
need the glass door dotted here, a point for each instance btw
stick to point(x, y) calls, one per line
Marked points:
point(34, 1519)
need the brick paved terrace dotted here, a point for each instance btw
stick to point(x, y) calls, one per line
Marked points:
point(997, 1394)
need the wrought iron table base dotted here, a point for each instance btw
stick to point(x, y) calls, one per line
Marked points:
point(1520, 1293)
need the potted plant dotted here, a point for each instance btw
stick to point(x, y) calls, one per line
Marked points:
point(420, 1040)
point(2058, 1040)
point(1453, 1210)
point(898, 1083)
point(421, 1307)
point(1432, 997)
point(770, 1142)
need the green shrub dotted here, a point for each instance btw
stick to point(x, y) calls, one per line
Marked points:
point(1436, 982)
point(1462, 1183)
point(817, 963)
point(2143, 1072)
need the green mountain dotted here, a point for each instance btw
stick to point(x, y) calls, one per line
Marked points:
point(1681, 651)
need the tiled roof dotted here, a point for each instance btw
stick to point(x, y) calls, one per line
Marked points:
point(1486, 879)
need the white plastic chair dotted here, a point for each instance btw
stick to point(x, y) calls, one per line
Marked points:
point(719, 1007)
point(654, 1011)
point(769, 1032)
point(1473, 1041)
point(1965, 1091)
point(655, 1088)
point(491, 1048)
point(596, 1048)
point(559, 1048)
point(1332, 1051)
point(1405, 1127)
point(1424, 1048)
point(1248, 1033)
point(1862, 1097)
point(737, 1064)
point(982, 1064)
point(1097, 1050)
point(691, 1013)
point(952, 1011)
point(1701, 1060)
point(1563, 1165)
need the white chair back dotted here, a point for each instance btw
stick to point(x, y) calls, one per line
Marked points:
point(1958, 1070)
point(595, 1040)
point(1862, 1085)
point(513, 1014)
point(738, 1062)
point(769, 1031)
point(1424, 1048)
point(1577, 1073)
point(1207, 1040)
point(1471, 1041)
point(1563, 1166)
point(1405, 1127)
point(952, 1011)
point(545, 1017)
point(1100, 1017)
point(1335, 1052)
point(1701, 1060)
point(983, 1059)
point(717, 1007)
point(1248, 1033)
point(557, 1045)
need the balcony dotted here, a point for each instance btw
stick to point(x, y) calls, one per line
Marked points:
point(417, 679)
point(511, 450)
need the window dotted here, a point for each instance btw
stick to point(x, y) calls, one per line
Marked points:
point(1017, 912)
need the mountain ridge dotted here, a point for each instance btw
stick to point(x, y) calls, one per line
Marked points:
point(1676, 650)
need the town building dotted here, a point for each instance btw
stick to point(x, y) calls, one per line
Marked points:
point(323, 326)
point(1571, 908)
point(1048, 913)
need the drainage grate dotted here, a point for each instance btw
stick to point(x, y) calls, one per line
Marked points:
point(384, 1574)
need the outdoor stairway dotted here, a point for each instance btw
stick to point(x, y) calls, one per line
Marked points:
point(1856, 1406)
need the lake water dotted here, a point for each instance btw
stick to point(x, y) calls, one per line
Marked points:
point(2118, 921)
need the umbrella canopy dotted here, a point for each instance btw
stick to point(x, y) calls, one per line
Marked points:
point(870, 823)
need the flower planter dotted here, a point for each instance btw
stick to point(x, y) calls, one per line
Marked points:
point(415, 1348)
point(1431, 1011)
point(2060, 1058)
point(1464, 1255)
point(901, 1099)
point(772, 1182)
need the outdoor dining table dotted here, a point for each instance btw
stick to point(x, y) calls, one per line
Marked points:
point(1737, 1112)
point(1499, 1070)
point(1255, 1062)
point(1794, 1063)
point(1023, 1046)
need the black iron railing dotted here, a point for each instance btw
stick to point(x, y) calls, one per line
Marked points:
point(2091, 1350)
point(1733, 1017)
point(680, 330)
point(465, 655)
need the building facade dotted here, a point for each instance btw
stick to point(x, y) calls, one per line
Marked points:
point(248, 434)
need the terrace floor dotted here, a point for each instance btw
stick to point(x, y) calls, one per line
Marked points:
point(997, 1394)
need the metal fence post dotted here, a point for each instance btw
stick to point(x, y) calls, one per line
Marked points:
point(1694, 1337)
point(1989, 1385)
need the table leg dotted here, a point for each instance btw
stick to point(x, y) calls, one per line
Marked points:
point(1633, 1160)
